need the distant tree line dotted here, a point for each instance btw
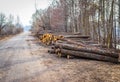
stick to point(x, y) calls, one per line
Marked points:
point(8, 26)
point(97, 18)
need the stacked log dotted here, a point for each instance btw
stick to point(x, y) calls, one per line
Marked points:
point(49, 38)
point(64, 46)
point(87, 49)
point(78, 36)
point(81, 51)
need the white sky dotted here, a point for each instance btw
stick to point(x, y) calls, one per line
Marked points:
point(22, 8)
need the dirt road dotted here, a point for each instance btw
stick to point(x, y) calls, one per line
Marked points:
point(23, 60)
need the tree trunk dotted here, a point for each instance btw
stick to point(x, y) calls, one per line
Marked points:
point(78, 36)
point(89, 55)
point(88, 49)
point(81, 43)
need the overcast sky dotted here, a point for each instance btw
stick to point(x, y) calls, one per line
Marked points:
point(22, 8)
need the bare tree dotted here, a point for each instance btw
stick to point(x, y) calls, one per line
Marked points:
point(2, 21)
point(96, 18)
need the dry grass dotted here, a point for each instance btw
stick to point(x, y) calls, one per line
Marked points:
point(75, 70)
point(5, 38)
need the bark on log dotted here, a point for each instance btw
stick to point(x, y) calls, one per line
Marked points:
point(80, 43)
point(80, 39)
point(77, 36)
point(89, 50)
point(89, 55)
point(77, 33)
point(73, 42)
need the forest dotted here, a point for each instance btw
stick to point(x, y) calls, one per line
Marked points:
point(60, 41)
point(100, 19)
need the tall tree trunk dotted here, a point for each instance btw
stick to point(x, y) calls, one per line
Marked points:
point(110, 34)
point(65, 15)
point(99, 33)
point(103, 20)
point(119, 20)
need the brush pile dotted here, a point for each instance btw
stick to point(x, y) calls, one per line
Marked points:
point(72, 46)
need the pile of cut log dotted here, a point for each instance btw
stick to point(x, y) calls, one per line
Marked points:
point(69, 47)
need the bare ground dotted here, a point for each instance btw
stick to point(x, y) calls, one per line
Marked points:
point(23, 60)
